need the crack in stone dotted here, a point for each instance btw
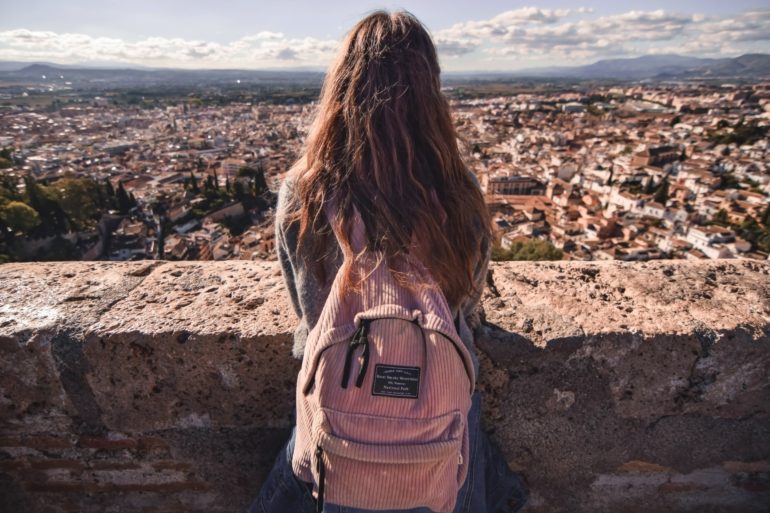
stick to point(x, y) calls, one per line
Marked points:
point(649, 428)
point(143, 274)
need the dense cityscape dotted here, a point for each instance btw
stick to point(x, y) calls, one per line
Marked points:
point(594, 171)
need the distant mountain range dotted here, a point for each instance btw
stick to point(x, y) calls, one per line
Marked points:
point(650, 67)
point(659, 67)
point(19, 65)
point(101, 78)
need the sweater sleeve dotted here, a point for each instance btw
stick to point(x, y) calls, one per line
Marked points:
point(300, 287)
point(286, 256)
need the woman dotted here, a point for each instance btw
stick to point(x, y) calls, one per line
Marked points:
point(383, 145)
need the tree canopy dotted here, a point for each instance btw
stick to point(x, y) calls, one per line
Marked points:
point(532, 250)
point(19, 216)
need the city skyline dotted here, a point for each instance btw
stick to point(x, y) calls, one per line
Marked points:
point(493, 36)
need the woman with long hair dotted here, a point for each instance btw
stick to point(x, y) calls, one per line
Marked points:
point(382, 152)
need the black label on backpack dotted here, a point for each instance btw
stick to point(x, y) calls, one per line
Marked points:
point(396, 381)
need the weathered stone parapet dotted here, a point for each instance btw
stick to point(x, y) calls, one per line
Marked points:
point(168, 386)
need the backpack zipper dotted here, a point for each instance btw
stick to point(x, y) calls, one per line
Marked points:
point(364, 363)
point(360, 338)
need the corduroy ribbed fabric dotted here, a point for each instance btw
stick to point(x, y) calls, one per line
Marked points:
point(386, 444)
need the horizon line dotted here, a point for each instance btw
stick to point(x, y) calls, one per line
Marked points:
point(141, 67)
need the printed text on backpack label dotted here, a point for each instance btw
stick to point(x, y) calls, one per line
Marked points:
point(396, 381)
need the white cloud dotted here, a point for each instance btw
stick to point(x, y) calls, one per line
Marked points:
point(504, 23)
point(454, 47)
point(520, 37)
point(572, 36)
point(264, 49)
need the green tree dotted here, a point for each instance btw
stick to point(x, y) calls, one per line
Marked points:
point(728, 181)
point(6, 158)
point(245, 171)
point(755, 233)
point(194, 183)
point(257, 175)
point(766, 217)
point(109, 188)
point(19, 216)
point(650, 188)
point(124, 200)
point(81, 200)
point(661, 195)
point(721, 218)
point(594, 110)
point(532, 250)
point(742, 133)
point(238, 191)
point(53, 219)
point(102, 199)
point(8, 189)
point(260, 182)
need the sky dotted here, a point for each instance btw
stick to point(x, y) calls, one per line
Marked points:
point(470, 35)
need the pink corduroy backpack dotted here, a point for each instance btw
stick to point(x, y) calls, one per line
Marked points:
point(383, 395)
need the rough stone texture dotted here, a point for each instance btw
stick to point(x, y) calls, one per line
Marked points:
point(168, 386)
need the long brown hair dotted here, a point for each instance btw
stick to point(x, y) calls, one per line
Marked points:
point(383, 141)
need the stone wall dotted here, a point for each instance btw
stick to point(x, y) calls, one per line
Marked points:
point(168, 386)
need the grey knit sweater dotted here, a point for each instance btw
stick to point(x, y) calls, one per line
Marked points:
point(308, 295)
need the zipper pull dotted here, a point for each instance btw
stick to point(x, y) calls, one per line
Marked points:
point(354, 342)
point(459, 459)
point(365, 363)
point(321, 478)
point(363, 340)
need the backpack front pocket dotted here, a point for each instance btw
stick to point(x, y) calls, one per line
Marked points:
point(371, 462)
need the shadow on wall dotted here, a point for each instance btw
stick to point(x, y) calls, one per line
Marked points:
point(168, 386)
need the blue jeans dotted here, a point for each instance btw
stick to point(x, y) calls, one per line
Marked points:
point(490, 487)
